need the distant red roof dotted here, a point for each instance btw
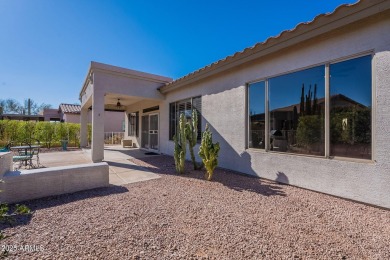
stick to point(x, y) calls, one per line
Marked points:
point(70, 108)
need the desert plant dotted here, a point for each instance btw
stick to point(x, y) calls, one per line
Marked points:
point(180, 145)
point(192, 137)
point(209, 153)
point(7, 215)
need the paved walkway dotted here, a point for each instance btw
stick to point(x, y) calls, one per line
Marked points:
point(122, 171)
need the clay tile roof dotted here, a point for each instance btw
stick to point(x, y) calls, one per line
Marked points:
point(70, 108)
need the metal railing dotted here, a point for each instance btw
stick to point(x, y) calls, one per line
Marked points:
point(113, 137)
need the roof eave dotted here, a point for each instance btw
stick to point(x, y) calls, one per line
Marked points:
point(106, 68)
point(86, 81)
point(324, 23)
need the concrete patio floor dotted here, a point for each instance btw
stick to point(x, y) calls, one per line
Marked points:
point(121, 170)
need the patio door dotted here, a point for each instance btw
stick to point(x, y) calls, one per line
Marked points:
point(150, 132)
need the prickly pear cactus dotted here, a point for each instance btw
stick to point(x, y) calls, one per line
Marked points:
point(209, 153)
point(180, 140)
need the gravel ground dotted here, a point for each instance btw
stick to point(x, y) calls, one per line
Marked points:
point(186, 217)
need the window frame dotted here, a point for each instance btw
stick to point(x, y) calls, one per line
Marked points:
point(327, 108)
point(175, 104)
point(266, 124)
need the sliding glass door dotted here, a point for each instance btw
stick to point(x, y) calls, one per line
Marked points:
point(150, 132)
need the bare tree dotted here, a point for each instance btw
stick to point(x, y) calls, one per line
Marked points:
point(11, 106)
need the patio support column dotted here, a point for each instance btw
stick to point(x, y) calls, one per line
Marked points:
point(97, 125)
point(84, 127)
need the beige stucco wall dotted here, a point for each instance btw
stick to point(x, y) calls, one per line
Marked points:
point(51, 113)
point(113, 121)
point(71, 118)
point(43, 182)
point(224, 108)
point(5, 163)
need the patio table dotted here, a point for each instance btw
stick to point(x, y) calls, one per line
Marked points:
point(26, 149)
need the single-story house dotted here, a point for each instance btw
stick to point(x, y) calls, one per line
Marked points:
point(21, 117)
point(338, 146)
point(114, 118)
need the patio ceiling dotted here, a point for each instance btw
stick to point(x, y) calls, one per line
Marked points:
point(111, 100)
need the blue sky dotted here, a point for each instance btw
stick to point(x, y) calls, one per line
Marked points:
point(46, 46)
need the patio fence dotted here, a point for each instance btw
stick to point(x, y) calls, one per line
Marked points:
point(113, 137)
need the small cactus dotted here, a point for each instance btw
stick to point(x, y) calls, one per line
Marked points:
point(192, 137)
point(209, 153)
point(180, 140)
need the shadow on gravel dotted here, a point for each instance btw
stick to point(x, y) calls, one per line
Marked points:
point(58, 200)
point(231, 179)
point(123, 165)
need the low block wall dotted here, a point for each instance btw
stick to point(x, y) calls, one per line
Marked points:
point(38, 183)
point(5, 163)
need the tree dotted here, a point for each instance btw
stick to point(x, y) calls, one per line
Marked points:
point(29, 107)
point(33, 108)
point(10, 106)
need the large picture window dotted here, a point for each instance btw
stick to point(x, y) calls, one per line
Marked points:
point(350, 108)
point(296, 103)
point(184, 106)
point(297, 111)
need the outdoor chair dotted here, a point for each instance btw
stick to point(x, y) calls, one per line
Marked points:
point(35, 146)
point(35, 157)
point(23, 157)
point(6, 148)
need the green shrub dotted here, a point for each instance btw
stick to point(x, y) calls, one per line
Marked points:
point(44, 132)
point(61, 132)
point(74, 134)
point(48, 133)
point(309, 130)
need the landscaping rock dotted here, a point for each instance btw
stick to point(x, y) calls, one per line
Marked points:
point(186, 217)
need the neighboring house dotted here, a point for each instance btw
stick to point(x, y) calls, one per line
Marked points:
point(114, 117)
point(70, 113)
point(51, 114)
point(22, 117)
point(340, 146)
point(48, 114)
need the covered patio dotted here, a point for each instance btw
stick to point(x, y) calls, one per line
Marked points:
point(109, 88)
